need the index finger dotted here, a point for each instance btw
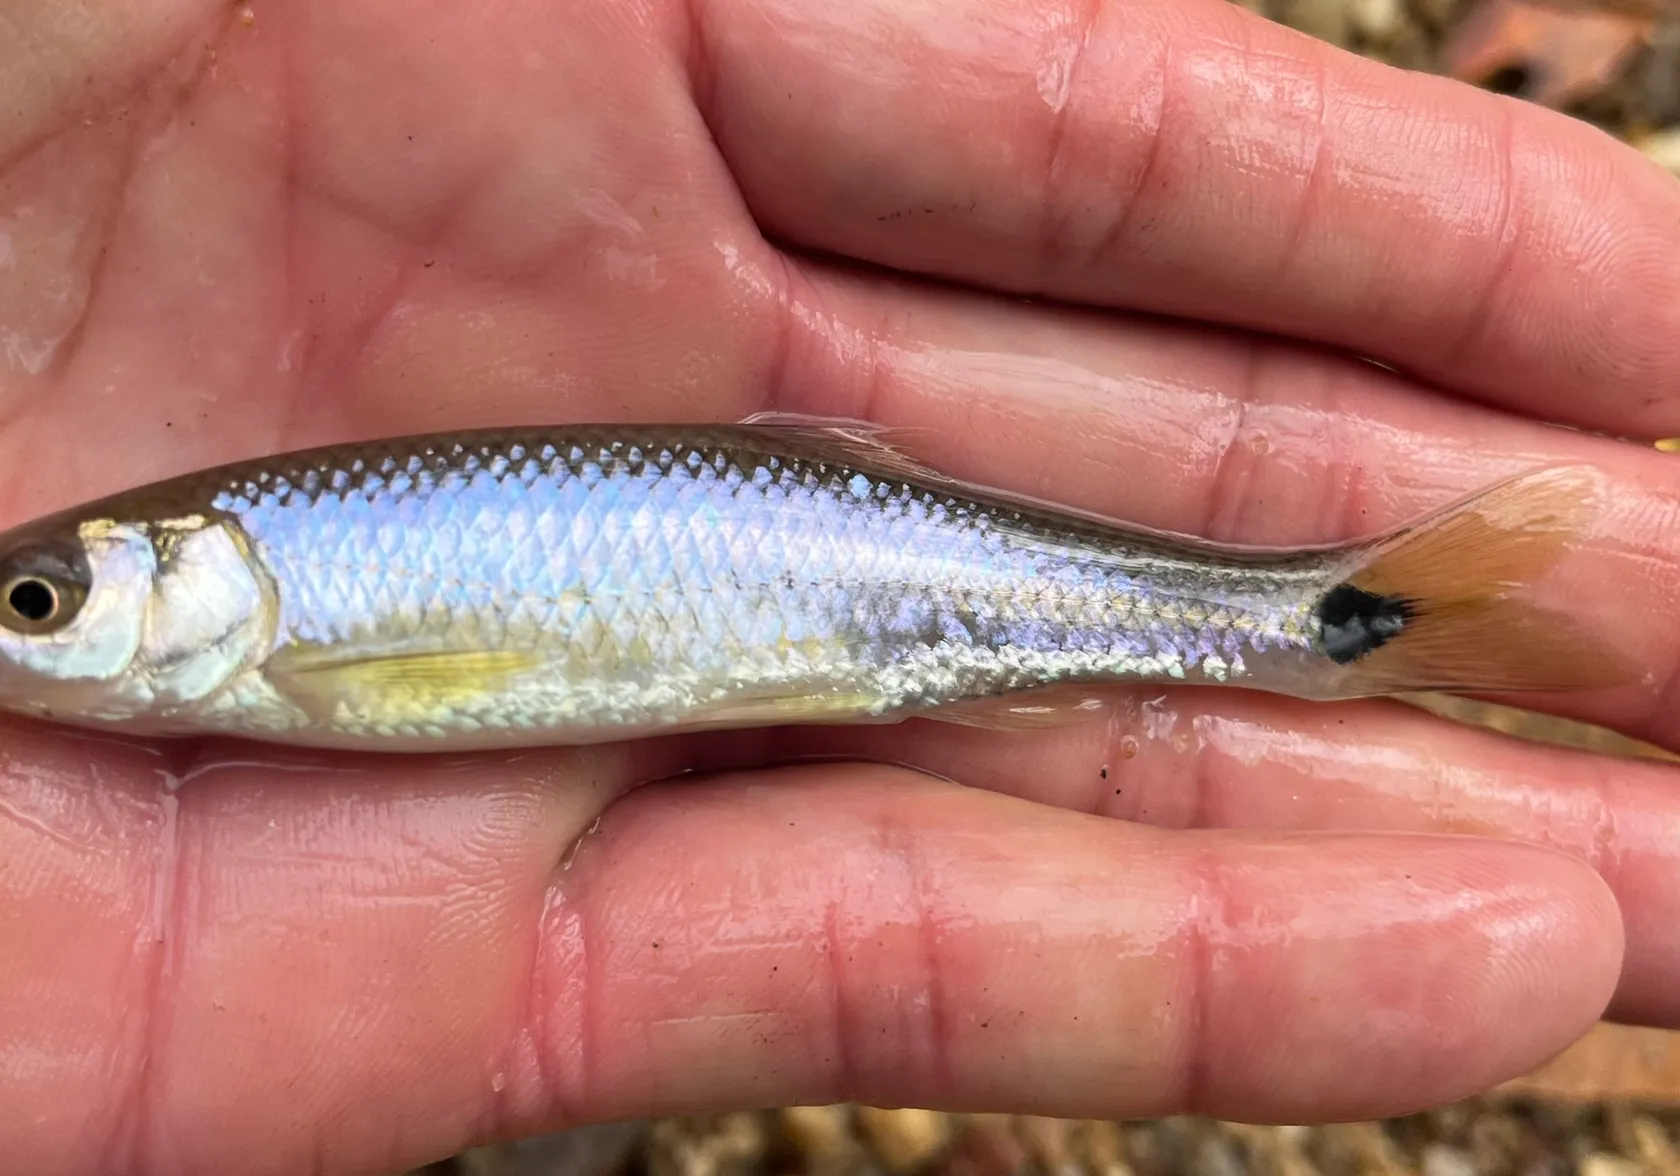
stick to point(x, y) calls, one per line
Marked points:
point(1192, 159)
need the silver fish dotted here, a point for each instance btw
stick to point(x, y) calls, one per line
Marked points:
point(588, 583)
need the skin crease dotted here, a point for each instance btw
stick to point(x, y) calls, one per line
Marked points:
point(221, 238)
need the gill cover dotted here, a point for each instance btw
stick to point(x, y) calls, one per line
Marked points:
point(211, 614)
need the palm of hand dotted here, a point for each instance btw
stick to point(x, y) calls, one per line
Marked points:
point(344, 221)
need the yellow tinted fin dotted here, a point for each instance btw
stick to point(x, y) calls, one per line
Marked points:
point(400, 682)
point(1433, 607)
point(1033, 710)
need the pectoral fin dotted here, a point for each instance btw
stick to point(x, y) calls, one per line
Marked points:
point(408, 684)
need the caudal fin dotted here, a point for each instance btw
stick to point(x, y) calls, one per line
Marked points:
point(1434, 606)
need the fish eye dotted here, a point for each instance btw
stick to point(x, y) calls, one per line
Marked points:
point(41, 589)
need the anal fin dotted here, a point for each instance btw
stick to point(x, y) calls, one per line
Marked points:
point(882, 447)
point(784, 706)
point(1042, 709)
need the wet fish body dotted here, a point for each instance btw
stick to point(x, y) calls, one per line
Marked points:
point(589, 583)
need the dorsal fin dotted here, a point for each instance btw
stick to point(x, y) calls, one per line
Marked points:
point(882, 447)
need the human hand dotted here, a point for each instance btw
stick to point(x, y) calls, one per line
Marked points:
point(221, 238)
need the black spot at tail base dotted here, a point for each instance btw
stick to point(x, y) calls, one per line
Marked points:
point(1356, 622)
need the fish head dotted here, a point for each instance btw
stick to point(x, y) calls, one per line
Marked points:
point(116, 621)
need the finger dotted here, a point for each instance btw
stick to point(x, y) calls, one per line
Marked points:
point(955, 949)
point(1237, 759)
point(1197, 160)
point(370, 969)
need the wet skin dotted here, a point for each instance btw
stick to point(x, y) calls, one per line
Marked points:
point(221, 238)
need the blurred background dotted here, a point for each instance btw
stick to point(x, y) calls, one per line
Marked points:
point(1610, 1106)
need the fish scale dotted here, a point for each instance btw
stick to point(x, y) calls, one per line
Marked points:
point(649, 555)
